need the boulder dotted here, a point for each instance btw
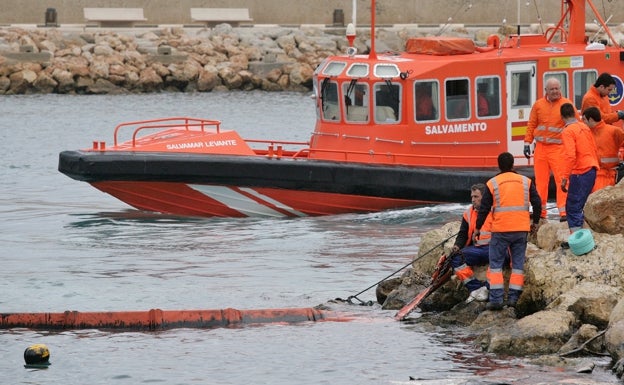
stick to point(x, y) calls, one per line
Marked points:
point(604, 210)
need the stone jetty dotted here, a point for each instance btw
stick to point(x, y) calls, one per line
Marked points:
point(97, 61)
point(138, 60)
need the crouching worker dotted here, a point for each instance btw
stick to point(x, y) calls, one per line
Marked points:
point(469, 250)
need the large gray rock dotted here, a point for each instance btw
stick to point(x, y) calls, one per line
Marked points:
point(604, 210)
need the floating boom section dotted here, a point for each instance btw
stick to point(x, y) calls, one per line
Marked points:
point(156, 319)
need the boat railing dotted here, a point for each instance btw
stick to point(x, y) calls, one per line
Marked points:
point(276, 148)
point(403, 158)
point(186, 123)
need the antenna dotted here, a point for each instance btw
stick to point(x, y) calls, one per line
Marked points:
point(450, 18)
point(600, 29)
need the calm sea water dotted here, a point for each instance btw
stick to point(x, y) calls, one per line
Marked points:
point(67, 246)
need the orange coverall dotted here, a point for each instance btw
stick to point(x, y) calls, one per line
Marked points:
point(592, 98)
point(579, 168)
point(545, 126)
point(579, 150)
point(609, 139)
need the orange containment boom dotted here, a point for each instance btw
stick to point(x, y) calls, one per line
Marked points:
point(156, 319)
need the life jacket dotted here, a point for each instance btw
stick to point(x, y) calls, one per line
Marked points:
point(510, 209)
point(470, 216)
point(465, 272)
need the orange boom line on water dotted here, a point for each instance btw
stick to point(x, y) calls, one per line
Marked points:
point(156, 319)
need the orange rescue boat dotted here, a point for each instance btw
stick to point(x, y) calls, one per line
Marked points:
point(393, 130)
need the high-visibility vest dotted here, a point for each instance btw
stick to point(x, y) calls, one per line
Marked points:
point(510, 208)
point(470, 216)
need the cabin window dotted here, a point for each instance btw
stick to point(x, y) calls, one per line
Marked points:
point(356, 100)
point(358, 70)
point(487, 99)
point(457, 106)
point(426, 100)
point(563, 79)
point(521, 89)
point(386, 71)
point(330, 108)
point(334, 68)
point(583, 81)
point(387, 102)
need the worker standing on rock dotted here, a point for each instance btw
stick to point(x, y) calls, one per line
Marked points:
point(580, 163)
point(508, 197)
point(609, 139)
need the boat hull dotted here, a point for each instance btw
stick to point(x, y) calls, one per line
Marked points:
point(242, 186)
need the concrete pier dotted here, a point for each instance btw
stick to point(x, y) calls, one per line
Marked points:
point(327, 12)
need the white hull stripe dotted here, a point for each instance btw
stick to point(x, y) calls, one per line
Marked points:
point(243, 204)
point(272, 201)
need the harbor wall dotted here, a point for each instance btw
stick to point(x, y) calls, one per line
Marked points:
point(328, 12)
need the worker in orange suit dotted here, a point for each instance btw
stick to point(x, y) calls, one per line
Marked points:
point(609, 139)
point(598, 96)
point(545, 126)
point(508, 197)
point(469, 251)
point(580, 165)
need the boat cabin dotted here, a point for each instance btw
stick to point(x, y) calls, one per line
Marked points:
point(445, 101)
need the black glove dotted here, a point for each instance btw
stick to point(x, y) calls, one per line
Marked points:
point(527, 151)
point(620, 114)
point(564, 183)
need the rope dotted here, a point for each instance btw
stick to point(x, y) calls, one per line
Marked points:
point(450, 19)
point(370, 303)
point(539, 17)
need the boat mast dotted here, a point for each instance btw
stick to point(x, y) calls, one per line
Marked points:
point(576, 8)
point(372, 54)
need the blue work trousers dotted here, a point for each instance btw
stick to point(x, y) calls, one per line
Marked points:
point(579, 189)
point(471, 256)
point(514, 242)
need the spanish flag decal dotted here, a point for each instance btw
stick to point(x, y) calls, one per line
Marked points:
point(518, 130)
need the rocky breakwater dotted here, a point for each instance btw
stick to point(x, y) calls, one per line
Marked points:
point(572, 306)
point(171, 59)
point(97, 61)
